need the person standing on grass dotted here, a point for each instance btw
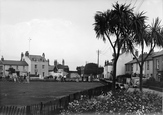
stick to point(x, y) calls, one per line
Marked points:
point(28, 77)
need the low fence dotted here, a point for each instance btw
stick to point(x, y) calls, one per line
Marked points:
point(55, 106)
point(154, 88)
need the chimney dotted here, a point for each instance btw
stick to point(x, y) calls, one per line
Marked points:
point(22, 55)
point(43, 55)
point(2, 58)
point(27, 53)
point(63, 62)
point(55, 62)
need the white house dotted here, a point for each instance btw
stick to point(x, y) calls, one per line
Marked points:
point(38, 65)
point(122, 60)
point(107, 69)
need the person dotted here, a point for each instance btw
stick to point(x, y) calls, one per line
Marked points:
point(28, 77)
point(24, 78)
point(64, 78)
point(14, 77)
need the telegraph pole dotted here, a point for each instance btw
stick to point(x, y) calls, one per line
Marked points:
point(98, 57)
point(29, 44)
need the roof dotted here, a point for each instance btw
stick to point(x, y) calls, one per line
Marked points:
point(13, 62)
point(51, 68)
point(158, 54)
point(135, 61)
point(59, 66)
point(36, 57)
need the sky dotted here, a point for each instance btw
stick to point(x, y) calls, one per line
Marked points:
point(62, 29)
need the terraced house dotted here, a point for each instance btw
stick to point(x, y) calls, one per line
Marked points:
point(153, 66)
point(158, 66)
point(38, 65)
point(21, 67)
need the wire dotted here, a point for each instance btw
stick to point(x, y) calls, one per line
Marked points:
point(139, 6)
point(135, 3)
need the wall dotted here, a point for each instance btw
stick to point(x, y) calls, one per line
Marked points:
point(21, 69)
point(107, 70)
point(150, 71)
point(155, 70)
point(28, 61)
point(39, 68)
point(123, 59)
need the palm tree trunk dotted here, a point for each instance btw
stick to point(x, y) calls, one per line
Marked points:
point(141, 77)
point(114, 74)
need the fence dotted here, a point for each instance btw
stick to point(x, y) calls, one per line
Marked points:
point(55, 106)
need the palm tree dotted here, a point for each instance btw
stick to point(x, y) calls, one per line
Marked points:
point(116, 23)
point(146, 35)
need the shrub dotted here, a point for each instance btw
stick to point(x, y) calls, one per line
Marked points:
point(152, 82)
point(120, 103)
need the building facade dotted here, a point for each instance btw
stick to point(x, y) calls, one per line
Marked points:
point(132, 67)
point(21, 67)
point(38, 65)
point(158, 66)
point(123, 59)
point(108, 69)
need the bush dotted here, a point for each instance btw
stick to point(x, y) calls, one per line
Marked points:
point(152, 82)
point(127, 103)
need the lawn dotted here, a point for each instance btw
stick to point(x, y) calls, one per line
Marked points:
point(35, 92)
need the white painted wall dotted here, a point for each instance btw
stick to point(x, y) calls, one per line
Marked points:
point(107, 70)
point(123, 59)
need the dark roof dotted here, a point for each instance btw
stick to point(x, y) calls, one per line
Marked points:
point(36, 57)
point(59, 66)
point(132, 61)
point(13, 62)
point(51, 68)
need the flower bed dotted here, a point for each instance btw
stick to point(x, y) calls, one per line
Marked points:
point(128, 103)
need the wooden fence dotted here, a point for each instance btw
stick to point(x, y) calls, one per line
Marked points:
point(55, 106)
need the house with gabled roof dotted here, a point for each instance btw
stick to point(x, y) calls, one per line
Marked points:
point(21, 67)
point(58, 70)
point(38, 65)
point(132, 67)
point(158, 66)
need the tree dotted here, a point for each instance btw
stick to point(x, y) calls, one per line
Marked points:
point(11, 70)
point(146, 35)
point(115, 22)
point(91, 68)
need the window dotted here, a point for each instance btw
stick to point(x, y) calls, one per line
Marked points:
point(43, 74)
point(43, 66)
point(35, 66)
point(157, 64)
point(147, 65)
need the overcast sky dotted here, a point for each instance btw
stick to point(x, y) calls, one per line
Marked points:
point(62, 29)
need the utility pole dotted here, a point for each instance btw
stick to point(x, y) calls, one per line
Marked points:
point(29, 44)
point(98, 57)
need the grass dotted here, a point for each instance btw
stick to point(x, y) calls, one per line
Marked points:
point(21, 94)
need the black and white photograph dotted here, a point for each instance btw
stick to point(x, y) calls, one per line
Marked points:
point(81, 57)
